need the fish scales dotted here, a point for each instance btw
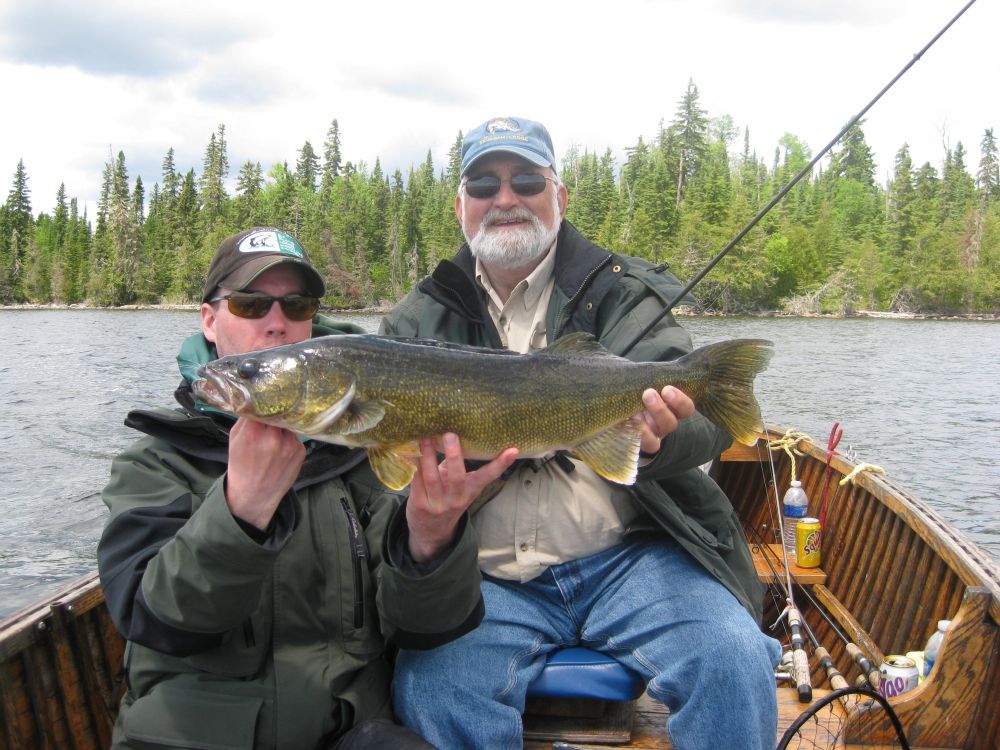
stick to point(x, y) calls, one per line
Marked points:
point(382, 394)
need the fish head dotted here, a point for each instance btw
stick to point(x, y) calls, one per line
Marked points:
point(296, 386)
point(261, 385)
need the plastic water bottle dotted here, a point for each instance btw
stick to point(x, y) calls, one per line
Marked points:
point(795, 505)
point(933, 644)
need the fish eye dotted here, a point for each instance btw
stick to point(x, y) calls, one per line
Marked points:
point(248, 368)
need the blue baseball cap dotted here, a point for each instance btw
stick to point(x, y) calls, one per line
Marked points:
point(513, 135)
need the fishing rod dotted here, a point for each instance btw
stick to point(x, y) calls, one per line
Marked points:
point(868, 670)
point(794, 181)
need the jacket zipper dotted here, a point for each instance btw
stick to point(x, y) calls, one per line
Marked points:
point(563, 316)
point(358, 555)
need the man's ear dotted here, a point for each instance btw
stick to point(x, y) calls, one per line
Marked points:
point(208, 319)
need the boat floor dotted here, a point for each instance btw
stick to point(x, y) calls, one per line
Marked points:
point(650, 718)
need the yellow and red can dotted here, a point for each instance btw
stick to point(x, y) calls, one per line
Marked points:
point(807, 539)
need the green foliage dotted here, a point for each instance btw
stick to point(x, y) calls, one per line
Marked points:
point(929, 240)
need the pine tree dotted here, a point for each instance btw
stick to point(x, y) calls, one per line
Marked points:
point(307, 167)
point(988, 176)
point(249, 185)
point(214, 173)
point(15, 234)
point(331, 156)
point(690, 137)
point(454, 173)
point(902, 194)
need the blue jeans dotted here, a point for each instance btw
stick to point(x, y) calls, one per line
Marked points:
point(649, 605)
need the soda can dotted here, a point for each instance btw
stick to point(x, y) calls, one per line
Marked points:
point(898, 675)
point(807, 538)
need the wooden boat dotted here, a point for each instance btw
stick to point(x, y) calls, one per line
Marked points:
point(891, 568)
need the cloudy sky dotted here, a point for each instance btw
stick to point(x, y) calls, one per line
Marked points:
point(83, 80)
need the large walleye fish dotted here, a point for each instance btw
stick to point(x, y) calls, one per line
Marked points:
point(383, 393)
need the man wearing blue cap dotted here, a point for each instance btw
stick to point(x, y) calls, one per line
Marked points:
point(657, 575)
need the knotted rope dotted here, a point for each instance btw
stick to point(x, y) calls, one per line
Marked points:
point(788, 443)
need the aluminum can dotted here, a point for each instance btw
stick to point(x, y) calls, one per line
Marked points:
point(807, 538)
point(898, 675)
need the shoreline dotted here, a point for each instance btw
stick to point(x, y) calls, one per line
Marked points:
point(683, 311)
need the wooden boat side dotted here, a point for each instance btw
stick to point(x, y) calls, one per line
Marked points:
point(60, 662)
point(893, 568)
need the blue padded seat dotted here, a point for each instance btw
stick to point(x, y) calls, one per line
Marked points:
point(581, 673)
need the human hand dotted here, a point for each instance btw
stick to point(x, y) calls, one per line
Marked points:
point(263, 464)
point(664, 411)
point(440, 494)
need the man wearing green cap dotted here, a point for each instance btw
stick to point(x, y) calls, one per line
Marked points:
point(656, 575)
point(257, 578)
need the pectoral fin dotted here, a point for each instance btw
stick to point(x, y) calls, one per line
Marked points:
point(361, 416)
point(325, 419)
point(394, 464)
point(614, 453)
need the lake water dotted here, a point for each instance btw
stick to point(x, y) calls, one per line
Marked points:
point(917, 397)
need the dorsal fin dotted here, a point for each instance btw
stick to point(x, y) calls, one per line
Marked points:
point(579, 344)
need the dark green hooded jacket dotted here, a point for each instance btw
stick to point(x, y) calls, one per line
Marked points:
point(242, 639)
point(614, 297)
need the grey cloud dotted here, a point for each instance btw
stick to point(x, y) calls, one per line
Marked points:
point(124, 40)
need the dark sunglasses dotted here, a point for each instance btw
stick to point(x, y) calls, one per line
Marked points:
point(296, 307)
point(528, 183)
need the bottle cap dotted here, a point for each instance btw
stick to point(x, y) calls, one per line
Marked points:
point(796, 483)
point(944, 624)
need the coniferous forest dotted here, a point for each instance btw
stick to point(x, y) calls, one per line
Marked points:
point(927, 241)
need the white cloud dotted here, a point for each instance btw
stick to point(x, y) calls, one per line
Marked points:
point(404, 77)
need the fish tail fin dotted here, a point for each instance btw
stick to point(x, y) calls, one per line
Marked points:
point(727, 397)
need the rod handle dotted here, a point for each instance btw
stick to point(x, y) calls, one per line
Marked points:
point(837, 680)
point(866, 667)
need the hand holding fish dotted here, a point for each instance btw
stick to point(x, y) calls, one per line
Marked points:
point(263, 464)
point(664, 411)
point(440, 494)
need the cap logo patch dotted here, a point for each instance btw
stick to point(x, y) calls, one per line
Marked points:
point(502, 123)
point(271, 241)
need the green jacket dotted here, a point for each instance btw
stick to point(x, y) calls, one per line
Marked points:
point(246, 639)
point(614, 297)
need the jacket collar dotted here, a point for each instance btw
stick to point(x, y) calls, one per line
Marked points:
point(453, 282)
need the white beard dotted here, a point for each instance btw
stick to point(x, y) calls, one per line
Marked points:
point(512, 247)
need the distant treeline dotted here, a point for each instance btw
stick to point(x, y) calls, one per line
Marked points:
point(928, 241)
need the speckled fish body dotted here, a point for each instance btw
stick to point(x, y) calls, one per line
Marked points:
point(383, 393)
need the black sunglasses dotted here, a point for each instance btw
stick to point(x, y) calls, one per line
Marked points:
point(527, 183)
point(297, 307)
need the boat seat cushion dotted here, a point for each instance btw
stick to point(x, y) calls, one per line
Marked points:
point(581, 673)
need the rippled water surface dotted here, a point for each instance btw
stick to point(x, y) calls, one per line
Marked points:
point(919, 398)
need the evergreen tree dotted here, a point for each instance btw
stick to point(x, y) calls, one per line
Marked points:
point(307, 167)
point(15, 234)
point(249, 184)
point(690, 137)
point(902, 195)
point(454, 173)
point(331, 156)
point(988, 176)
point(215, 170)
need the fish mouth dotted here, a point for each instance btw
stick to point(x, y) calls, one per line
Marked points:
point(219, 391)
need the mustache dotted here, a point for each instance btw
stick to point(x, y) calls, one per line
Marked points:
point(499, 216)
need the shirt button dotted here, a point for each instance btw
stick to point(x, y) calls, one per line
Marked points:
point(527, 482)
point(503, 320)
point(524, 546)
point(590, 305)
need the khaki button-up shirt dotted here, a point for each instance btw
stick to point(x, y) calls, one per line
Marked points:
point(543, 515)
